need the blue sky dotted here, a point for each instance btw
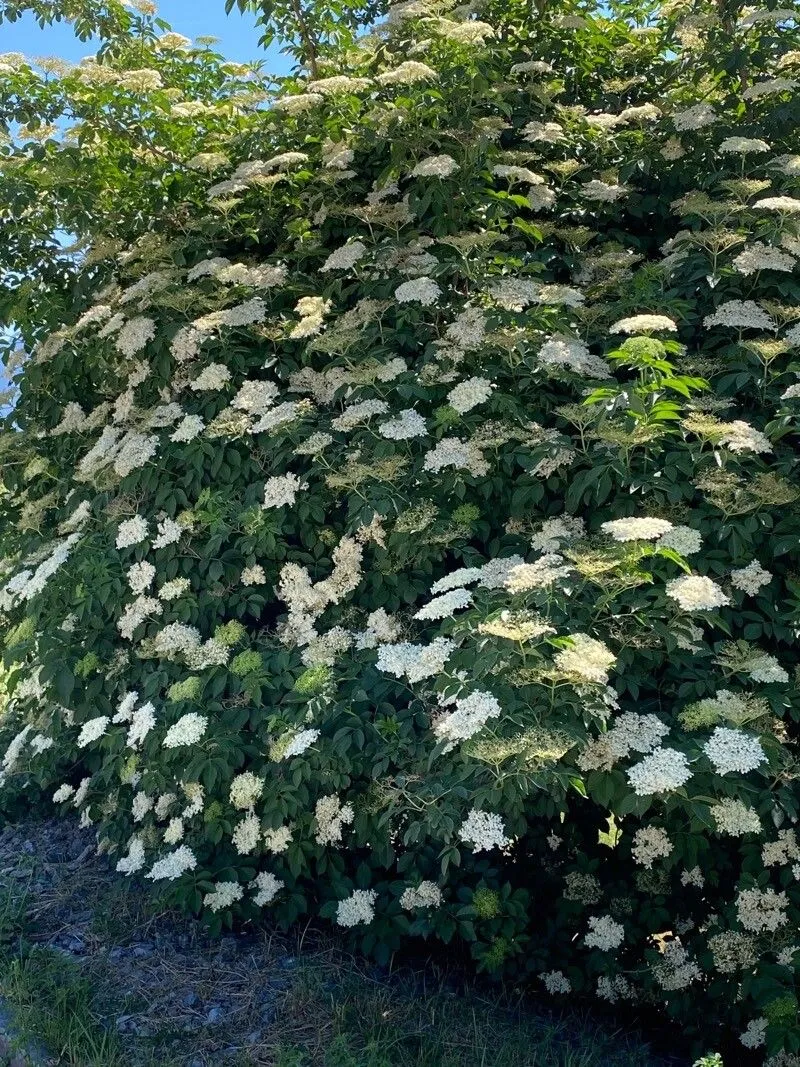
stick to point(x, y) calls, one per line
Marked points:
point(237, 33)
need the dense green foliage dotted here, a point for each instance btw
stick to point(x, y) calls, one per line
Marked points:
point(401, 512)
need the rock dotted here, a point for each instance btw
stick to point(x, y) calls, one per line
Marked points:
point(19, 1060)
point(28, 847)
point(215, 1015)
point(254, 1038)
point(143, 950)
point(191, 1000)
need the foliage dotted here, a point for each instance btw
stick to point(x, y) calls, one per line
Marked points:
point(401, 512)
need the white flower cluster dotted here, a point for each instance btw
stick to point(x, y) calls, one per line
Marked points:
point(663, 771)
point(188, 730)
point(732, 750)
point(733, 817)
point(463, 455)
point(142, 721)
point(470, 715)
point(424, 895)
point(435, 167)
point(445, 606)
point(135, 858)
point(649, 844)
point(174, 589)
point(140, 577)
point(281, 490)
point(695, 117)
point(751, 579)
point(696, 592)
point(743, 145)
point(586, 658)
point(414, 662)
point(755, 1034)
point(245, 790)
point(407, 73)
point(224, 895)
point(758, 256)
point(629, 732)
point(267, 887)
point(643, 529)
point(645, 324)
point(762, 667)
point(783, 205)
point(740, 436)
point(684, 540)
point(253, 575)
point(211, 378)
point(423, 291)
point(556, 982)
point(190, 427)
point(277, 841)
point(573, 355)
point(331, 816)
point(92, 730)
point(761, 909)
point(469, 394)
point(483, 831)
point(742, 314)
point(407, 425)
point(782, 851)
point(173, 865)
point(603, 191)
point(604, 933)
point(358, 908)
point(246, 835)
point(307, 600)
point(345, 258)
point(299, 743)
point(540, 574)
point(675, 969)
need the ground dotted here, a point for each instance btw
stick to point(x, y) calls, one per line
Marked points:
point(93, 973)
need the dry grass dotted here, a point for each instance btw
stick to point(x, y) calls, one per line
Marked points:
point(105, 977)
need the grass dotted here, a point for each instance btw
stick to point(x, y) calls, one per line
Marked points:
point(50, 1000)
point(53, 1004)
point(379, 1026)
point(325, 1008)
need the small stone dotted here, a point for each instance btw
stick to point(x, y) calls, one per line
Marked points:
point(191, 1000)
point(28, 847)
point(145, 949)
point(19, 1060)
point(215, 1015)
